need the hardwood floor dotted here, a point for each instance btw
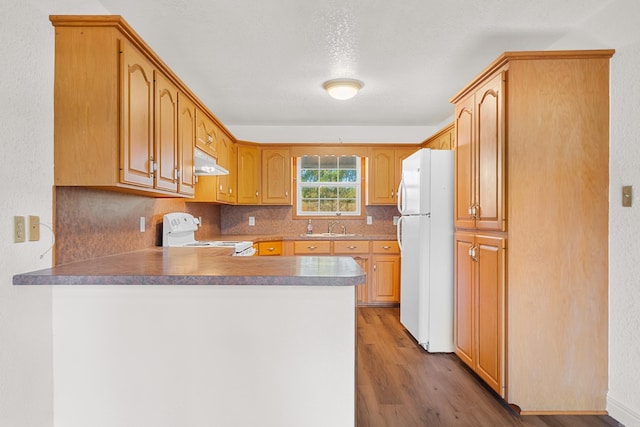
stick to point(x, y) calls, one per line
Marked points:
point(401, 385)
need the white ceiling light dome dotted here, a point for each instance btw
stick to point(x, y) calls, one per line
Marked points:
point(342, 88)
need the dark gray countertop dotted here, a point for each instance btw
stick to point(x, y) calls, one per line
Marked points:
point(199, 266)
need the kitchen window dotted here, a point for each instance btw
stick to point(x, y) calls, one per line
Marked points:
point(328, 186)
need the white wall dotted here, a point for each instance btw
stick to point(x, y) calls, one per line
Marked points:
point(26, 138)
point(26, 141)
point(615, 26)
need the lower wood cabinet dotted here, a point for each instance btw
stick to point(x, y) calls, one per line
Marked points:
point(380, 259)
point(480, 306)
point(384, 284)
point(359, 250)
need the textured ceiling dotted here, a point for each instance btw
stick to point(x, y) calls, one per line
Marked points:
point(263, 62)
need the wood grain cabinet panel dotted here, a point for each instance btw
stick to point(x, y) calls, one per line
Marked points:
point(270, 248)
point(116, 112)
point(248, 174)
point(276, 176)
point(531, 142)
point(385, 173)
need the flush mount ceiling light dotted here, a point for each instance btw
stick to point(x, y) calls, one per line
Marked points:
point(342, 88)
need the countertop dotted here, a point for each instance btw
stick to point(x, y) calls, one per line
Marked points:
point(199, 266)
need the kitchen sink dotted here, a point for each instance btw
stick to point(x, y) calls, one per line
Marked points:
point(328, 235)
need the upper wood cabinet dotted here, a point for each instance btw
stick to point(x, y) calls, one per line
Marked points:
point(385, 173)
point(480, 154)
point(249, 176)
point(186, 142)
point(206, 134)
point(441, 140)
point(117, 112)
point(276, 176)
point(227, 159)
point(137, 144)
point(531, 218)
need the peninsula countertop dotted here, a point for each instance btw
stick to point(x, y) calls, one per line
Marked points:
point(199, 266)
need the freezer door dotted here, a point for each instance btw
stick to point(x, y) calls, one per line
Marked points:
point(414, 276)
point(413, 194)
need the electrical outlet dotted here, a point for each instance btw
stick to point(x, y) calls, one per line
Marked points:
point(34, 228)
point(395, 220)
point(18, 229)
point(369, 220)
point(252, 221)
point(627, 196)
point(143, 224)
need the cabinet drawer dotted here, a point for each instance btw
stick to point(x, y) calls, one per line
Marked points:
point(270, 248)
point(350, 247)
point(385, 247)
point(322, 247)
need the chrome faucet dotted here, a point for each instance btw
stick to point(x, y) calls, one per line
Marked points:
point(330, 226)
point(344, 229)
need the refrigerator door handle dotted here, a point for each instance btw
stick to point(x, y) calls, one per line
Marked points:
point(399, 232)
point(401, 196)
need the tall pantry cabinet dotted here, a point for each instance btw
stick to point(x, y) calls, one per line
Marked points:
point(531, 218)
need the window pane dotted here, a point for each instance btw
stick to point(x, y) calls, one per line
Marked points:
point(309, 162)
point(347, 192)
point(309, 175)
point(347, 205)
point(348, 162)
point(328, 175)
point(328, 162)
point(309, 205)
point(348, 175)
point(328, 206)
point(328, 192)
point(309, 192)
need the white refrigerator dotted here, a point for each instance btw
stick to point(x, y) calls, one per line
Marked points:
point(425, 236)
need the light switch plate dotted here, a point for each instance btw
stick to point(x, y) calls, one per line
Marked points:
point(252, 221)
point(34, 228)
point(369, 220)
point(18, 229)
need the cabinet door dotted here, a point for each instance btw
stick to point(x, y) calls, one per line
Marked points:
point(206, 138)
point(136, 149)
point(248, 174)
point(385, 286)
point(490, 155)
point(382, 177)
point(233, 173)
point(361, 290)
point(186, 142)
point(223, 193)
point(464, 299)
point(464, 164)
point(400, 154)
point(166, 134)
point(276, 176)
point(490, 302)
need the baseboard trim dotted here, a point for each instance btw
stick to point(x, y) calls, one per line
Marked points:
point(622, 414)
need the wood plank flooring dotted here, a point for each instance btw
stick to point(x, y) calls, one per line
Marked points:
point(401, 385)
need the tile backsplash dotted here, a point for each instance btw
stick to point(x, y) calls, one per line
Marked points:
point(279, 220)
point(92, 223)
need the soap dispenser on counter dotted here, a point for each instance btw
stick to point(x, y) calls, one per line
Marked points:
point(309, 227)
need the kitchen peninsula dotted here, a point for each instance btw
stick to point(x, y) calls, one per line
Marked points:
point(189, 336)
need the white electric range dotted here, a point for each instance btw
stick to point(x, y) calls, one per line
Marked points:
point(178, 229)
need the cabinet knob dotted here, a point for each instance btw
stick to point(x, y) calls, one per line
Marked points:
point(270, 249)
point(352, 247)
point(311, 247)
point(257, 194)
point(386, 247)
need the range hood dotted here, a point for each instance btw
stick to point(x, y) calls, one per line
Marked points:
point(207, 165)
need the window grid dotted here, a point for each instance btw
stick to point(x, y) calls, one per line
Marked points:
point(328, 185)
